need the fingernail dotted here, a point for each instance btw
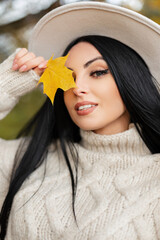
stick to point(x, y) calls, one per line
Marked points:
point(15, 60)
point(41, 66)
point(15, 66)
point(22, 68)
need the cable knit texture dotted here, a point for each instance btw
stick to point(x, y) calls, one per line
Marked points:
point(118, 194)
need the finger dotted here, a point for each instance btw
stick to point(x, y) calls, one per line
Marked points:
point(39, 71)
point(30, 64)
point(43, 64)
point(22, 60)
point(20, 54)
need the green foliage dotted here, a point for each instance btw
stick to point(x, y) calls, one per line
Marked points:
point(151, 9)
point(21, 114)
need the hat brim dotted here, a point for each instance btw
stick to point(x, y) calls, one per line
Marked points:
point(54, 31)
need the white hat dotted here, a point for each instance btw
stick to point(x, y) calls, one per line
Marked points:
point(55, 30)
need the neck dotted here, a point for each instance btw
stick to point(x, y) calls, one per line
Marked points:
point(119, 125)
point(126, 142)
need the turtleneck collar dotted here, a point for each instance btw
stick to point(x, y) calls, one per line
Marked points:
point(127, 142)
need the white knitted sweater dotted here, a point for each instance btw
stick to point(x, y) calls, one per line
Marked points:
point(118, 195)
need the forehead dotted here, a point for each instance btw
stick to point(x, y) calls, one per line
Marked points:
point(82, 51)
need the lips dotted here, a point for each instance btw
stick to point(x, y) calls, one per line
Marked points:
point(80, 104)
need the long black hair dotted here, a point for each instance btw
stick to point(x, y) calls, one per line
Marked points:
point(140, 94)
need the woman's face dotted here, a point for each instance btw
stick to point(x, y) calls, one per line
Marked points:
point(96, 103)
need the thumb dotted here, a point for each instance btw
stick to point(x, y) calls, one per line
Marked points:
point(41, 67)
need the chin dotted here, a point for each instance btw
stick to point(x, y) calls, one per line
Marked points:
point(87, 127)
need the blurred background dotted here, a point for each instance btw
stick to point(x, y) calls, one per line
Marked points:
point(17, 18)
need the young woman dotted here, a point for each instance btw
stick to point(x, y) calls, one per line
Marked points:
point(91, 169)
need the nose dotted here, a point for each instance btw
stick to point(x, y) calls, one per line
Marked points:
point(81, 88)
point(78, 91)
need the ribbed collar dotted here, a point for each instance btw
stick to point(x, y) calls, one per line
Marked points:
point(127, 142)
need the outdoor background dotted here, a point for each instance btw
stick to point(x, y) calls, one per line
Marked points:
point(17, 18)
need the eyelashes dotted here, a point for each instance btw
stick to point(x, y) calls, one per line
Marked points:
point(94, 74)
point(99, 73)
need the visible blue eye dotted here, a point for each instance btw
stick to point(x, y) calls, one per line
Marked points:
point(99, 73)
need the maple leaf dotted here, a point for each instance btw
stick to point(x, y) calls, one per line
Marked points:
point(55, 76)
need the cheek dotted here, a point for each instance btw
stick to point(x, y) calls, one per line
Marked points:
point(111, 96)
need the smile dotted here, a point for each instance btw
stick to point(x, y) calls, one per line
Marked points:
point(84, 107)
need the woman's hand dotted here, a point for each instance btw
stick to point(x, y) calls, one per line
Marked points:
point(25, 61)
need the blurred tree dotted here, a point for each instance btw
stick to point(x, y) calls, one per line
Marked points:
point(14, 35)
point(151, 9)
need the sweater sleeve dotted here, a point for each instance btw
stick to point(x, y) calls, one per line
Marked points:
point(14, 84)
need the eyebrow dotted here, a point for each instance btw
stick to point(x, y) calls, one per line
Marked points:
point(90, 61)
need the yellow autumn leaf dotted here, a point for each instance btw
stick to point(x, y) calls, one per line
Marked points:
point(55, 76)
